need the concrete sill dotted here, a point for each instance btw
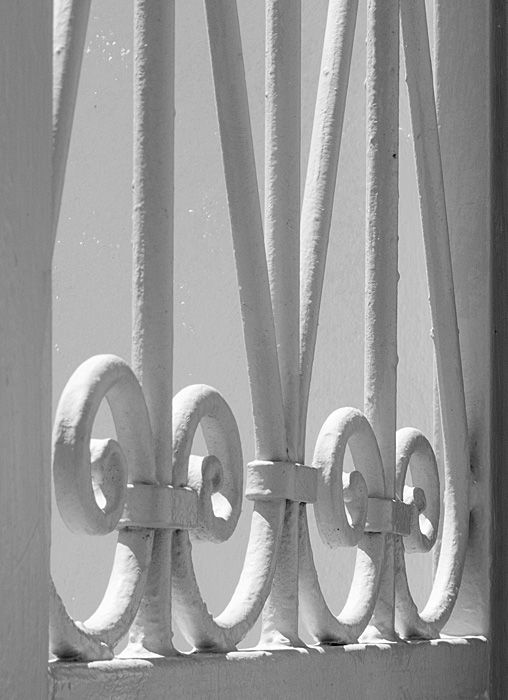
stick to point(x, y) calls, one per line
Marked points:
point(446, 668)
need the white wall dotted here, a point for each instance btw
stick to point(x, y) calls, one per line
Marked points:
point(25, 244)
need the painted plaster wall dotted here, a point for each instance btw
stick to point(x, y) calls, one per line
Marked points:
point(25, 245)
point(445, 670)
point(92, 268)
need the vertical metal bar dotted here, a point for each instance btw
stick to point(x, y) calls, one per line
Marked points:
point(317, 204)
point(282, 242)
point(443, 312)
point(247, 228)
point(381, 273)
point(70, 21)
point(152, 333)
point(320, 182)
point(282, 194)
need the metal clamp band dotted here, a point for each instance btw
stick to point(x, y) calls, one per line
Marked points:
point(160, 507)
point(389, 515)
point(271, 481)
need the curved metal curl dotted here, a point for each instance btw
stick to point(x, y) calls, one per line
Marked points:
point(79, 475)
point(218, 478)
point(338, 527)
point(414, 451)
point(202, 405)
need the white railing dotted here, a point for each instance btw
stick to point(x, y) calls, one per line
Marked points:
point(146, 483)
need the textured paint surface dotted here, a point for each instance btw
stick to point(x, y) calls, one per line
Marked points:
point(70, 23)
point(25, 263)
point(445, 330)
point(26, 281)
point(152, 277)
point(206, 367)
point(282, 243)
point(271, 379)
point(445, 670)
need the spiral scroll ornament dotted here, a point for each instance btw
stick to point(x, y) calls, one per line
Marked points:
point(91, 482)
point(101, 485)
point(146, 483)
point(201, 405)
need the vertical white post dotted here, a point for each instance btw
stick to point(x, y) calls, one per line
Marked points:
point(282, 243)
point(246, 227)
point(445, 333)
point(152, 334)
point(282, 195)
point(25, 302)
point(317, 206)
point(381, 273)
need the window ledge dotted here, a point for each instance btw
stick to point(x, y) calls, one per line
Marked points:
point(448, 668)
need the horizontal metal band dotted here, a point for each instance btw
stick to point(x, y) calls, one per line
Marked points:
point(160, 507)
point(272, 481)
point(389, 515)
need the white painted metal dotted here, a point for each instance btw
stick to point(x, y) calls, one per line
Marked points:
point(153, 218)
point(79, 479)
point(414, 451)
point(282, 195)
point(201, 629)
point(338, 498)
point(70, 20)
point(152, 304)
point(388, 515)
point(444, 317)
point(281, 480)
point(320, 180)
point(381, 255)
point(85, 472)
point(160, 507)
point(147, 483)
point(218, 483)
point(340, 427)
point(282, 241)
point(246, 226)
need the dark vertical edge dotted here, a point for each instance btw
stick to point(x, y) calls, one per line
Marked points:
point(499, 326)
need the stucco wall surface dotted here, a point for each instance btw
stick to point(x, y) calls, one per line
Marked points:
point(444, 670)
point(25, 262)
